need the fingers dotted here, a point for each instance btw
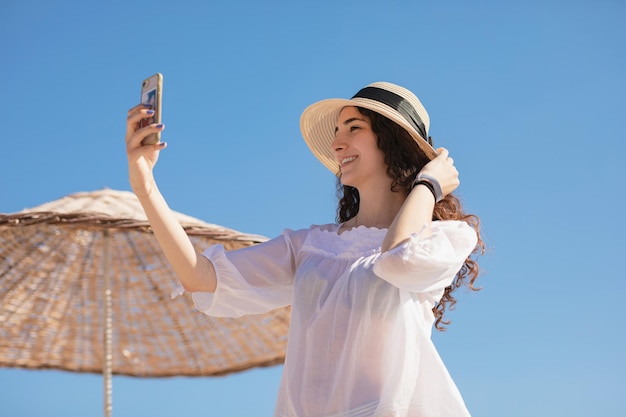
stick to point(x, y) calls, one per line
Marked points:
point(135, 133)
point(135, 115)
point(134, 139)
point(139, 106)
point(138, 109)
point(444, 155)
point(443, 170)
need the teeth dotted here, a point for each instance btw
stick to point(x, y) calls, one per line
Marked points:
point(348, 159)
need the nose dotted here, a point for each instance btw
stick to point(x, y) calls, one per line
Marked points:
point(338, 144)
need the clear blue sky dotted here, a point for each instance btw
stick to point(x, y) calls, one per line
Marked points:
point(528, 96)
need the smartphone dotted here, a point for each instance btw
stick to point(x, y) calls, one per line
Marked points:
point(151, 94)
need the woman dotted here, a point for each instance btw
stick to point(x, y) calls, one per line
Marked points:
point(365, 292)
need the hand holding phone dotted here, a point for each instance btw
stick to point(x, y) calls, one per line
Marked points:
point(151, 93)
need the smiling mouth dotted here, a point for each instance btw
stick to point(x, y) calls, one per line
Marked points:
point(347, 160)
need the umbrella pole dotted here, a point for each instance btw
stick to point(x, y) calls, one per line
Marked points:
point(108, 328)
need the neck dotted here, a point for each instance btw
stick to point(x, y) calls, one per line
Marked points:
point(378, 207)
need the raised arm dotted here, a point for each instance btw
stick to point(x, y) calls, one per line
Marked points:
point(417, 211)
point(195, 272)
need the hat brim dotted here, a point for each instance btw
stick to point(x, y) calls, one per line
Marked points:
point(318, 122)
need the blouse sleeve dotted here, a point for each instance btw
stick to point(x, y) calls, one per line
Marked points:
point(425, 264)
point(251, 280)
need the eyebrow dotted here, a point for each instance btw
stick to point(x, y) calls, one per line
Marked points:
point(347, 122)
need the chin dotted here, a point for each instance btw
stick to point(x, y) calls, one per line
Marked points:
point(348, 183)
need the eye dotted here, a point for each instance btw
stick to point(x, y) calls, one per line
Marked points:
point(353, 128)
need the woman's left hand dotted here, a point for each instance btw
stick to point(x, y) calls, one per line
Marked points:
point(442, 168)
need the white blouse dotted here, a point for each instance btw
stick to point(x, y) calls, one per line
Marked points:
point(360, 333)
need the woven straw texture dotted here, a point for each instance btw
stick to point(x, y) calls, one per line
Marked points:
point(52, 292)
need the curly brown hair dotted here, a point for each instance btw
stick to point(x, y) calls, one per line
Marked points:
point(404, 160)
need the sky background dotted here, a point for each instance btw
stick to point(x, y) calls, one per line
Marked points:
point(527, 96)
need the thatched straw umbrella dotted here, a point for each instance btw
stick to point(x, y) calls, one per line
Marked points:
point(84, 287)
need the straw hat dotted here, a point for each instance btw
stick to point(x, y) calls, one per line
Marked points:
point(318, 121)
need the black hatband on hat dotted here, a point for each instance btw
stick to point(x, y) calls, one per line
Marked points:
point(397, 103)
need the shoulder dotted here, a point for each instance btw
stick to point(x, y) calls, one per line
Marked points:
point(453, 226)
point(456, 231)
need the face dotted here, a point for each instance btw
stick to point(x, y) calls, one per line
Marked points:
point(356, 150)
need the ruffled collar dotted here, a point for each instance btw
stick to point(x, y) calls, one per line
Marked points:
point(350, 243)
